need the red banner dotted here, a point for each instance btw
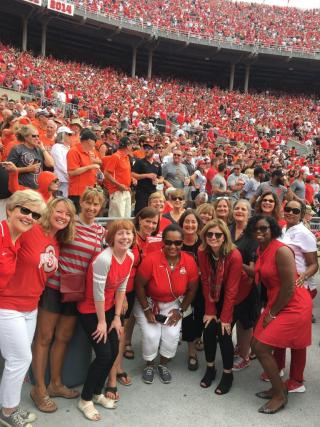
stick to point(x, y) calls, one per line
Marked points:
point(36, 2)
point(61, 6)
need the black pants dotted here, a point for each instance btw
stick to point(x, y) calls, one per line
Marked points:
point(142, 198)
point(211, 335)
point(192, 325)
point(106, 353)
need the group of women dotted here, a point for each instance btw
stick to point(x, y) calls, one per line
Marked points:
point(190, 271)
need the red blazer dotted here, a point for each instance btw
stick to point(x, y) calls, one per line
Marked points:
point(230, 283)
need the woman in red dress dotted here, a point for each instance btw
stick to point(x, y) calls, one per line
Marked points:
point(286, 320)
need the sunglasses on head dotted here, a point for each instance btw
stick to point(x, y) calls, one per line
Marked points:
point(211, 234)
point(25, 211)
point(173, 242)
point(262, 229)
point(175, 198)
point(295, 211)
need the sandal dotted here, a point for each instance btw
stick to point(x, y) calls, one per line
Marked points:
point(89, 411)
point(193, 364)
point(62, 391)
point(104, 401)
point(225, 383)
point(124, 379)
point(209, 376)
point(128, 352)
point(112, 391)
point(43, 403)
point(199, 345)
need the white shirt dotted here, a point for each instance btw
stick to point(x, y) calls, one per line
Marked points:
point(301, 241)
point(59, 154)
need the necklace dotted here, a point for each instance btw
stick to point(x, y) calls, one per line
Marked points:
point(172, 264)
point(214, 257)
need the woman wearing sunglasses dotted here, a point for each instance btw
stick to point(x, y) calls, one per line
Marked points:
point(166, 283)
point(56, 319)
point(269, 204)
point(223, 209)
point(177, 199)
point(304, 245)
point(37, 260)
point(286, 320)
point(220, 265)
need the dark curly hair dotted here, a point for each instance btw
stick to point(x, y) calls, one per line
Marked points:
point(277, 206)
point(172, 227)
point(275, 229)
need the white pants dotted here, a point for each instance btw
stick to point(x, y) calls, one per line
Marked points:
point(155, 335)
point(120, 204)
point(16, 335)
point(64, 187)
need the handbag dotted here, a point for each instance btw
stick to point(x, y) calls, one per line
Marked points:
point(73, 285)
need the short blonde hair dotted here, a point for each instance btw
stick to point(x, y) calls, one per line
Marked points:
point(23, 197)
point(90, 193)
point(227, 246)
point(68, 233)
point(119, 224)
point(24, 131)
point(156, 195)
point(206, 208)
point(178, 192)
point(228, 202)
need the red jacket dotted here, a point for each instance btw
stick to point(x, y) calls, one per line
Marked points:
point(230, 283)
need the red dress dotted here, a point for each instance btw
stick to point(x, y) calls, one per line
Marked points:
point(292, 326)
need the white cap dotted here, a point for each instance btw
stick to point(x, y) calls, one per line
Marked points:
point(64, 129)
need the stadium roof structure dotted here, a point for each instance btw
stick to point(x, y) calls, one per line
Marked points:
point(147, 50)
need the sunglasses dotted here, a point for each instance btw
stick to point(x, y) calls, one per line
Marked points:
point(25, 211)
point(173, 242)
point(56, 181)
point(262, 229)
point(295, 211)
point(211, 234)
point(268, 201)
point(160, 148)
point(177, 198)
point(35, 136)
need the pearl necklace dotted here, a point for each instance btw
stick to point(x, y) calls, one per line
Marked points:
point(214, 257)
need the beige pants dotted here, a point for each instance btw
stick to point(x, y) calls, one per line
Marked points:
point(120, 204)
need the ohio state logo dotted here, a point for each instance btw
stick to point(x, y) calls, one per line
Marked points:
point(48, 260)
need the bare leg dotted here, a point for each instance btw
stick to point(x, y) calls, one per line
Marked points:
point(265, 357)
point(244, 337)
point(129, 326)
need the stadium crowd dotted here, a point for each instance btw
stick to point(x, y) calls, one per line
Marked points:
point(241, 23)
point(213, 188)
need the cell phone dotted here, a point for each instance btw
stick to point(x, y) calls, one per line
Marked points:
point(161, 318)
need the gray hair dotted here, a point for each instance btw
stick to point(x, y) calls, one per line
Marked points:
point(245, 202)
point(23, 197)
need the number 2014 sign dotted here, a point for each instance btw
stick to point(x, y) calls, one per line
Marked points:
point(61, 7)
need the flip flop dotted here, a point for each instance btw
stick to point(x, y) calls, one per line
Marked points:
point(122, 377)
point(128, 352)
point(113, 391)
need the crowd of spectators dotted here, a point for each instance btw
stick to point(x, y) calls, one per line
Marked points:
point(240, 23)
point(97, 94)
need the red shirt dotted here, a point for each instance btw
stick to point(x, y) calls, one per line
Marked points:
point(37, 261)
point(118, 274)
point(8, 255)
point(155, 268)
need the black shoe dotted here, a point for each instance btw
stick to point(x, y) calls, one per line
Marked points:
point(225, 383)
point(209, 376)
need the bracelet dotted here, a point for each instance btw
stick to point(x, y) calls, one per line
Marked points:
point(271, 315)
point(147, 308)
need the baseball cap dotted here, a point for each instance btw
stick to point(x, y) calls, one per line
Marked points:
point(64, 129)
point(76, 122)
point(124, 142)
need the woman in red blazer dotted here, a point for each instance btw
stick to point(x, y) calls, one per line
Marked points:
point(220, 263)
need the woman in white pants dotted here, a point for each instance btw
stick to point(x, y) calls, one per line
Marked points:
point(166, 283)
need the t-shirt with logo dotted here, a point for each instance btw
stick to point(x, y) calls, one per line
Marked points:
point(23, 156)
point(37, 261)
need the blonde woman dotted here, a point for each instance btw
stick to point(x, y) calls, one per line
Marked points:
point(37, 260)
point(206, 212)
point(223, 209)
point(177, 199)
point(220, 263)
point(57, 320)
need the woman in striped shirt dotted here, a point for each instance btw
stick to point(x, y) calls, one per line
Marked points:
point(57, 319)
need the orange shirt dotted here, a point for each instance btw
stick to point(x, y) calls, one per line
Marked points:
point(74, 139)
point(77, 158)
point(47, 142)
point(118, 165)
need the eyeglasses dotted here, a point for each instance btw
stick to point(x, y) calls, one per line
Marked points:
point(295, 211)
point(211, 234)
point(262, 229)
point(160, 148)
point(268, 201)
point(35, 136)
point(173, 242)
point(56, 181)
point(25, 211)
point(175, 198)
